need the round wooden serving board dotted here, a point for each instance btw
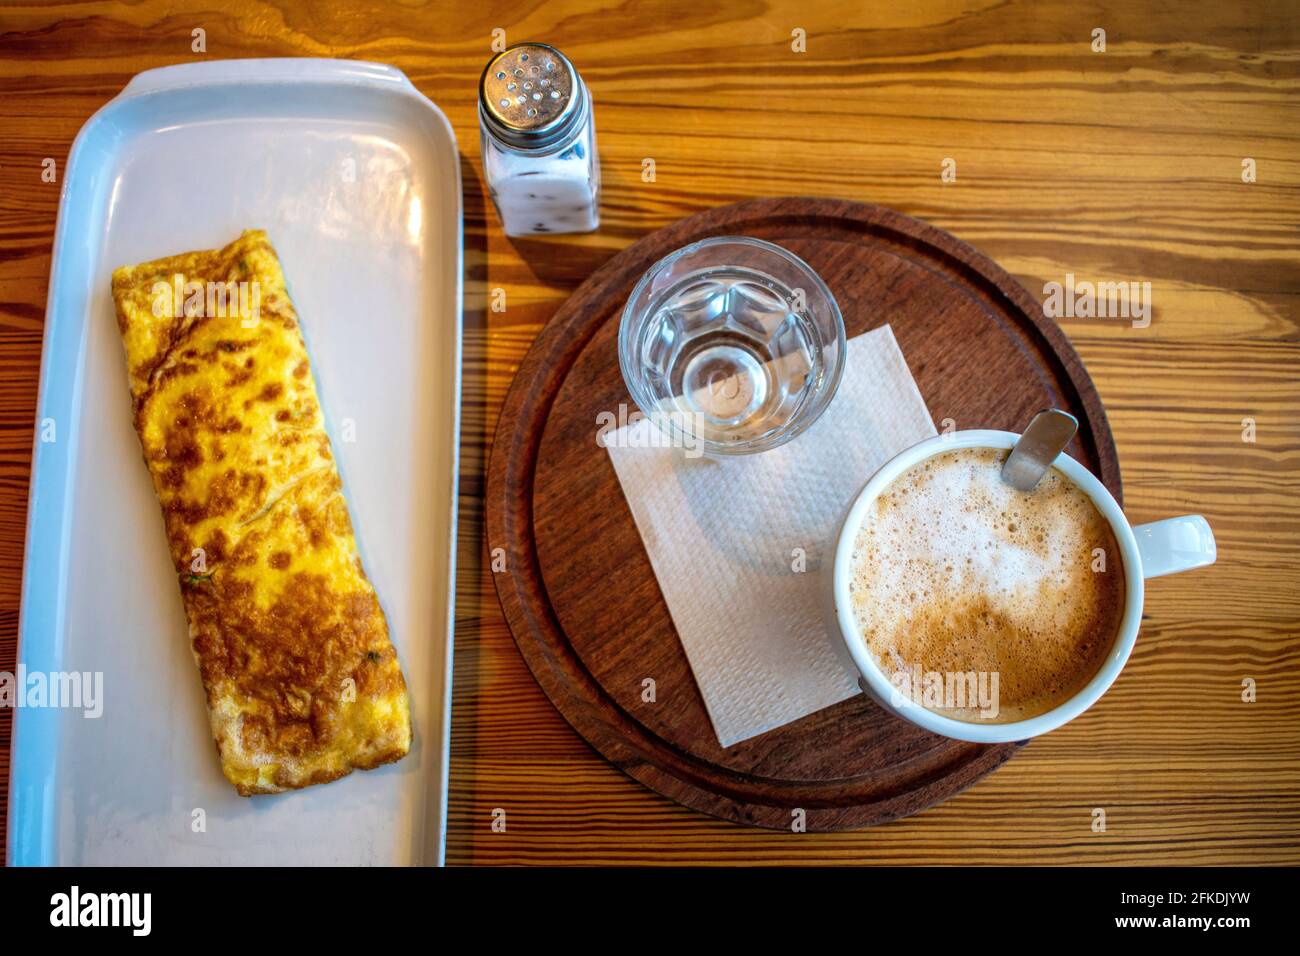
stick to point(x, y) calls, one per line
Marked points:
point(578, 590)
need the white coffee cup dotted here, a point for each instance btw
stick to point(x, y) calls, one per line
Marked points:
point(1147, 551)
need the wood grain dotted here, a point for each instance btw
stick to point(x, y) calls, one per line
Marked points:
point(581, 597)
point(1120, 165)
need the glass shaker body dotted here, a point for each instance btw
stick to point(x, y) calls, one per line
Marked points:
point(555, 192)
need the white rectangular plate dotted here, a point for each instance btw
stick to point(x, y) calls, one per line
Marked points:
point(355, 177)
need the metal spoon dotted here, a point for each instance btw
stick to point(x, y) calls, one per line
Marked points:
point(1044, 439)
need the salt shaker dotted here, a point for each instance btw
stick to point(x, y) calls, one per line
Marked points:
point(538, 135)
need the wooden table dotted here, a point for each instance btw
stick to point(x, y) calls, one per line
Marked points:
point(1119, 165)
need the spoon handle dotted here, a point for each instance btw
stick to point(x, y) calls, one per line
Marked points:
point(1044, 439)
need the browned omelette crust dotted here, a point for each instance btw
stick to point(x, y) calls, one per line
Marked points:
point(302, 682)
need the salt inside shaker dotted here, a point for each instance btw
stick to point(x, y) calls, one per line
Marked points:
point(538, 135)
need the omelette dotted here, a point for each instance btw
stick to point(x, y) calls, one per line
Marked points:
point(302, 682)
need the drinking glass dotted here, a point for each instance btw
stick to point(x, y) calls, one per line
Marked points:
point(732, 344)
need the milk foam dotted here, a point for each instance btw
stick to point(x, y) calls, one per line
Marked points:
point(956, 571)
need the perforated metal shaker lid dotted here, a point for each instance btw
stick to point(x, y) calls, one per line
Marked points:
point(530, 96)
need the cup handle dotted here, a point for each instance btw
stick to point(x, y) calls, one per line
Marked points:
point(1174, 544)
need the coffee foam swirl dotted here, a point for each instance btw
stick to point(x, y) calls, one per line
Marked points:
point(955, 571)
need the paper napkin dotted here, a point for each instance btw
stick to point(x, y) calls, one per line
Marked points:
point(742, 547)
